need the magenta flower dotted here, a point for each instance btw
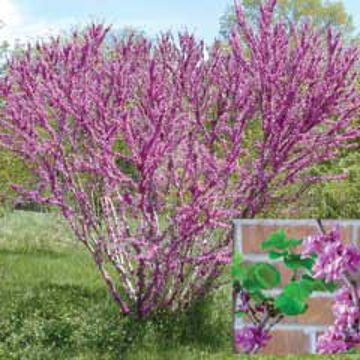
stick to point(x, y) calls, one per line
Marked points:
point(314, 244)
point(347, 314)
point(334, 259)
point(332, 342)
point(252, 338)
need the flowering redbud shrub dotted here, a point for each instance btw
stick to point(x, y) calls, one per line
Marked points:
point(147, 148)
point(338, 262)
point(258, 308)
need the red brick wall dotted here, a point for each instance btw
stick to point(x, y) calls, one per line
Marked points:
point(295, 335)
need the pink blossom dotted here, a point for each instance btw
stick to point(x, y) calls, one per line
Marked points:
point(332, 342)
point(345, 311)
point(252, 338)
point(336, 261)
point(334, 258)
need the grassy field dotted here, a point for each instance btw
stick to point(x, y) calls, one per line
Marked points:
point(53, 305)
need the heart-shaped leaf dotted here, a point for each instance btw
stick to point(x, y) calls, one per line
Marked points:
point(289, 305)
point(266, 276)
point(278, 241)
point(273, 255)
point(294, 261)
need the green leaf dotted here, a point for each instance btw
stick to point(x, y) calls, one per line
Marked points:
point(276, 255)
point(294, 261)
point(299, 290)
point(306, 287)
point(352, 351)
point(267, 276)
point(294, 243)
point(289, 305)
point(320, 285)
point(292, 301)
point(278, 241)
point(237, 268)
point(240, 314)
point(331, 286)
point(250, 282)
point(257, 296)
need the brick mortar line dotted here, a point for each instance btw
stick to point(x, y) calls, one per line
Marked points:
point(259, 257)
point(354, 233)
point(314, 295)
point(306, 329)
point(312, 344)
point(238, 238)
point(292, 222)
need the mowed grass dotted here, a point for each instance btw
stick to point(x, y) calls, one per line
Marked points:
point(53, 305)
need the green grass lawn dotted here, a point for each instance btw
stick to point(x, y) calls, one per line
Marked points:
point(53, 305)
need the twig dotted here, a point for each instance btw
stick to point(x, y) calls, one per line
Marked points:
point(321, 226)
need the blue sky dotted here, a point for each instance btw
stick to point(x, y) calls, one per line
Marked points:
point(29, 19)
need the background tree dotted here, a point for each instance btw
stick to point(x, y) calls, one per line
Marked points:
point(334, 199)
point(321, 13)
point(12, 169)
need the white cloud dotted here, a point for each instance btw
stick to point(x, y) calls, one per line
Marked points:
point(19, 28)
point(33, 30)
point(10, 18)
point(9, 14)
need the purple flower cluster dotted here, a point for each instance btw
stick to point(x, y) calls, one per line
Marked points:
point(332, 342)
point(334, 258)
point(347, 314)
point(337, 262)
point(344, 334)
point(251, 338)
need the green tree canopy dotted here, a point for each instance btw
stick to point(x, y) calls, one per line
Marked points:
point(320, 12)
